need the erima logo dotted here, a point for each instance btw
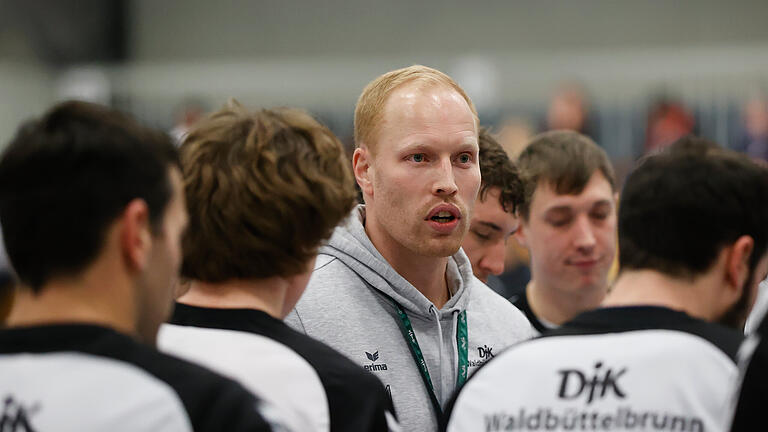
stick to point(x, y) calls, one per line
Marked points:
point(15, 417)
point(374, 366)
point(596, 384)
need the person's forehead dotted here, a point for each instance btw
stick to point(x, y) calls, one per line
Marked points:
point(421, 101)
point(597, 190)
point(488, 211)
point(427, 116)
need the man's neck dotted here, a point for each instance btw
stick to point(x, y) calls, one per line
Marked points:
point(425, 273)
point(650, 288)
point(267, 295)
point(557, 307)
point(76, 301)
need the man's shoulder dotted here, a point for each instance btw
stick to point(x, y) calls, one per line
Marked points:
point(111, 362)
point(212, 400)
point(645, 366)
point(329, 363)
point(488, 305)
point(331, 274)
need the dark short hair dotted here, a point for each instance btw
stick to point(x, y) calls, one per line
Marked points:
point(497, 170)
point(679, 208)
point(66, 176)
point(565, 160)
point(263, 190)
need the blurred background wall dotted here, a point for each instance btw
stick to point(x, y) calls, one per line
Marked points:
point(634, 75)
point(626, 65)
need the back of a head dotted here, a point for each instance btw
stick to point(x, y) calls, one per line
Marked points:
point(371, 103)
point(565, 160)
point(263, 190)
point(679, 208)
point(498, 171)
point(66, 176)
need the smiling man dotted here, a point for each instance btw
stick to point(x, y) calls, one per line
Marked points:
point(392, 289)
point(568, 224)
point(493, 220)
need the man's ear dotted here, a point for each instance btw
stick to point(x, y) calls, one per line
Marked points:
point(737, 263)
point(361, 166)
point(520, 234)
point(136, 234)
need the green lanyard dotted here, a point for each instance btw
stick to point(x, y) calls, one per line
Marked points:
point(410, 336)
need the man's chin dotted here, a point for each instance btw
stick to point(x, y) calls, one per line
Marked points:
point(439, 249)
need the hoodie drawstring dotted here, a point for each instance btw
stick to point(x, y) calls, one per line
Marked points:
point(433, 311)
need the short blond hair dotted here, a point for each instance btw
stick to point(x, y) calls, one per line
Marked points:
point(370, 105)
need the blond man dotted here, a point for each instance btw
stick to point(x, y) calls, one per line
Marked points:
point(392, 290)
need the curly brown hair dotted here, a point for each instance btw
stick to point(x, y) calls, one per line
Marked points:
point(263, 190)
point(497, 170)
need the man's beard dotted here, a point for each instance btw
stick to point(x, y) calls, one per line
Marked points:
point(736, 316)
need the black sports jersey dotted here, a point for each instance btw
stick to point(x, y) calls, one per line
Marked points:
point(289, 369)
point(89, 378)
point(521, 302)
point(754, 390)
point(622, 368)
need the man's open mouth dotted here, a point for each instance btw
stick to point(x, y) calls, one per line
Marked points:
point(443, 217)
point(444, 213)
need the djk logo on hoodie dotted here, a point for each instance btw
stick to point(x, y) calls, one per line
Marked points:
point(484, 353)
point(374, 366)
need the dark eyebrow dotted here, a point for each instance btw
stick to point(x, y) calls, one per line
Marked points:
point(559, 210)
point(601, 203)
point(490, 225)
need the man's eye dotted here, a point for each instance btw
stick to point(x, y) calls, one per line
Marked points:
point(464, 158)
point(418, 157)
point(559, 222)
point(480, 235)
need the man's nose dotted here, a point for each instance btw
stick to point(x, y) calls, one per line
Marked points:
point(584, 236)
point(493, 261)
point(445, 182)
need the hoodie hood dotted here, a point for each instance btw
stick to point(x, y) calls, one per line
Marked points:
point(351, 245)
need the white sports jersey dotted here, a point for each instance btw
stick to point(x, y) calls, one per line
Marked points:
point(319, 389)
point(89, 378)
point(628, 368)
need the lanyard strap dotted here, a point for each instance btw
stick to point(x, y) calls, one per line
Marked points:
point(461, 343)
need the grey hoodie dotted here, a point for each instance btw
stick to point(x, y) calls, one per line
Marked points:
point(343, 306)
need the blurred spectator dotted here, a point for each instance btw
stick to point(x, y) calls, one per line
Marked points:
point(514, 134)
point(668, 121)
point(186, 116)
point(754, 138)
point(569, 109)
